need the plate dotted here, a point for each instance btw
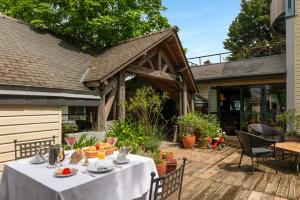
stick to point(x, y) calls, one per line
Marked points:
point(36, 162)
point(92, 167)
point(125, 161)
point(74, 171)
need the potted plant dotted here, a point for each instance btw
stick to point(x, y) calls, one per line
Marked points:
point(291, 123)
point(188, 124)
point(161, 165)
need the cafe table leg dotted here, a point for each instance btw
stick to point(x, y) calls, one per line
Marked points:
point(297, 163)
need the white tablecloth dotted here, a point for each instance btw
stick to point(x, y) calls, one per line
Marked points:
point(24, 181)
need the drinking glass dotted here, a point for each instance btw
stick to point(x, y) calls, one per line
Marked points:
point(71, 140)
point(101, 155)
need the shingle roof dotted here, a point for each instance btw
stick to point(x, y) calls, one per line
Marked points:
point(30, 57)
point(111, 60)
point(270, 65)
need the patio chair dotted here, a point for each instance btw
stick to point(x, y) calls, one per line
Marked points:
point(265, 130)
point(163, 187)
point(255, 146)
point(29, 149)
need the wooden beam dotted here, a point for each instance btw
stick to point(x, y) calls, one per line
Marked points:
point(101, 110)
point(112, 84)
point(180, 102)
point(165, 67)
point(184, 98)
point(172, 54)
point(121, 95)
point(192, 103)
point(148, 57)
point(159, 61)
point(146, 72)
point(151, 64)
point(167, 61)
point(109, 102)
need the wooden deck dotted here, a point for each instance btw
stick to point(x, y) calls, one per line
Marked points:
point(213, 174)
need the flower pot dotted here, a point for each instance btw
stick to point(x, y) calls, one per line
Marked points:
point(188, 141)
point(203, 143)
point(161, 168)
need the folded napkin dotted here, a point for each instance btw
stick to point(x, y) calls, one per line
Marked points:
point(102, 165)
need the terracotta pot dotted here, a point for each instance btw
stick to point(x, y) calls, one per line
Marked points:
point(188, 141)
point(161, 168)
point(167, 155)
point(203, 143)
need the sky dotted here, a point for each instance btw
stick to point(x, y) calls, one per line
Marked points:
point(203, 24)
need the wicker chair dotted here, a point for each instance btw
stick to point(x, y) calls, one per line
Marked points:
point(163, 187)
point(265, 130)
point(29, 149)
point(255, 146)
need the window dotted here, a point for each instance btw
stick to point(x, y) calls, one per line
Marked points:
point(213, 101)
point(289, 8)
point(76, 113)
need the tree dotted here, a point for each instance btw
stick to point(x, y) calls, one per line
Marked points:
point(99, 22)
point(250, 34)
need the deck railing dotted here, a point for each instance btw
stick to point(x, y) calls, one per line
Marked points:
point(260, 51)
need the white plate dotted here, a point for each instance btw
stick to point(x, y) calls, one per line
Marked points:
point(125, 161)
point(93, 168)
point(62, 175)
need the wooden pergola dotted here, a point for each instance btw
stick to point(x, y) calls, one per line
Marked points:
point(162, 64)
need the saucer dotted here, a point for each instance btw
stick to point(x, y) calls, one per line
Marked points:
point(125, 161)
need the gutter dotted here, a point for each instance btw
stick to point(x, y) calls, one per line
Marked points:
point(48, 94)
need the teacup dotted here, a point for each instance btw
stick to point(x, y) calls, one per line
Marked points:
point(121, 158)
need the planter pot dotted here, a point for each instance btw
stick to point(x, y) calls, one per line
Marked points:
point(188, 141)
point(161, 169)
point(203, 143)
point(167, 155)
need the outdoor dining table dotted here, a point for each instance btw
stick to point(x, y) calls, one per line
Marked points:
point(292, 147)
point(24, 181)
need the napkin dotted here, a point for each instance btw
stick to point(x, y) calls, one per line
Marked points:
point(102, 165)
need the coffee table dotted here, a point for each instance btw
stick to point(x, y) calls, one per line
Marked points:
point(292, 147)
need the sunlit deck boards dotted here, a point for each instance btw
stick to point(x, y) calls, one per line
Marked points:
point(213, 174)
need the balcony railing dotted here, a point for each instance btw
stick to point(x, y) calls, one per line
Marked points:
point(275, 49)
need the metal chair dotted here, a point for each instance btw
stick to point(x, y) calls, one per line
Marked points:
point(29, 149)
point(265, 130)
point(163, 187)
point(255, 146)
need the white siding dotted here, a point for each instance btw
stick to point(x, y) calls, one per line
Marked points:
point(27, 123)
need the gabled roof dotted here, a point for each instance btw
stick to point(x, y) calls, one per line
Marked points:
point(270, 65)
point(29, 57)
point(113, 59)
point(48, 62)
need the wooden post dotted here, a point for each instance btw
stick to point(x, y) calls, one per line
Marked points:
point(180, 103)
point(159, 61)
point(101, 110)
point(192, 103)
point(121, 95)
point(184, 99)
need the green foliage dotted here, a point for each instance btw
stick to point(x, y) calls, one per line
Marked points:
point(69, 129)
point(84, 141)
point(129, 133)
point(188, 123)
point(102, 23)
point(146, 106)
point(291, 120)
point(250, 34)
point(206, 125)
point(152, 143)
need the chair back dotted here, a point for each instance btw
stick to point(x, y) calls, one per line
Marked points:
point(245, 142)
point(161, 188)
point(29, 149)
point(263, 129)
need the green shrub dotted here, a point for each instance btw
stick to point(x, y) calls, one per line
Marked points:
point(84, 141)
point(129, 133)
